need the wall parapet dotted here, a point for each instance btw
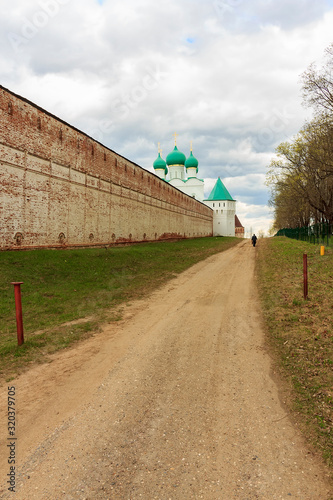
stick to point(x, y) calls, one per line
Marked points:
point(60, 187)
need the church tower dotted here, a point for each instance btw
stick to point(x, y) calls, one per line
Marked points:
point(224, 208)
point(160, 165)
point(176, 161)
point(182, 172)
point(191, 165)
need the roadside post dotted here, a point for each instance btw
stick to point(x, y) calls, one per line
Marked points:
point(322, 250)
point(18, 307)
point(305, 276)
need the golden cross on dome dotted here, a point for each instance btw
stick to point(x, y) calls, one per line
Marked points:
point(158, 147)
point(175, 134)
point(190, 145)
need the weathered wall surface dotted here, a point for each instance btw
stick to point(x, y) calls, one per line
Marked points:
point(60, 187)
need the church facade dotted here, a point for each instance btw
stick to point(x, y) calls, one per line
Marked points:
point(182, 173)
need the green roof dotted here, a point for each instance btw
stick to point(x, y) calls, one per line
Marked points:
point(159, 162)
point(219, 192)
point(192, 162)
point(176, 157)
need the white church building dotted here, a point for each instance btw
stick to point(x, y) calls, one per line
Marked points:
point(182, 173)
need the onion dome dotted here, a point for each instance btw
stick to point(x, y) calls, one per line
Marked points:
point(176, 157)
point(159, 163)
point(191, 162)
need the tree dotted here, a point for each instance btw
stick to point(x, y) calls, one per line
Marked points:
point(318, 135)
point(301, 178)
point(318, 85)
point(290, 208)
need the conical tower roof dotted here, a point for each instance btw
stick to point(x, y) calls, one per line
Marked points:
point(219, 192)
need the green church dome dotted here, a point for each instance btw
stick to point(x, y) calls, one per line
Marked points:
point(176, 157)
point(159, 163)
point(191, 162)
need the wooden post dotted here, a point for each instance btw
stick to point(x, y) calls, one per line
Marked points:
point(305, 276)
point(18, 306)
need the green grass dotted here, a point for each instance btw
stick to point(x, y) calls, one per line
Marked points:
point(62, 286)
point(300, 332)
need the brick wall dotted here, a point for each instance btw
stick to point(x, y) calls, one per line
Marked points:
point(60, 187)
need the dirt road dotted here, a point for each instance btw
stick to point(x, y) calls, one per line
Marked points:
point(176, 401)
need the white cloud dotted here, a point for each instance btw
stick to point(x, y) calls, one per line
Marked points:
point(255, 218)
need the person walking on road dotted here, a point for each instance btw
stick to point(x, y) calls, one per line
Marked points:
point(254, 240)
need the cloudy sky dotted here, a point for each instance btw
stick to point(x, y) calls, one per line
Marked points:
point(222, 73)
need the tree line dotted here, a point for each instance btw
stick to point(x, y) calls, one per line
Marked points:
point(301, 176)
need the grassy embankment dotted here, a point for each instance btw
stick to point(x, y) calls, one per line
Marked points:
point(62, 286)
point(300, 332)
